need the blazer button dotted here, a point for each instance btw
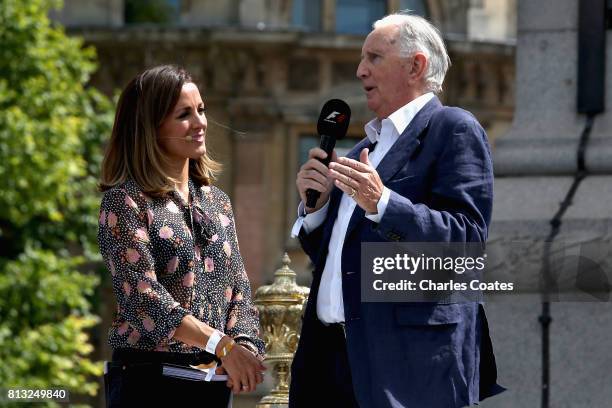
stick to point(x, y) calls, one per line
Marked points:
point(393, 236)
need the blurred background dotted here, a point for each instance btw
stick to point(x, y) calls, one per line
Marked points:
point(264, 68)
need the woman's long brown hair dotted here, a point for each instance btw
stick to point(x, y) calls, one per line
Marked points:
point(133, 151)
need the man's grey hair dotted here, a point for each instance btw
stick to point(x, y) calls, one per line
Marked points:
point(417, 34)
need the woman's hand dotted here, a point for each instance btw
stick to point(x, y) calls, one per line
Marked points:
point(245, 370)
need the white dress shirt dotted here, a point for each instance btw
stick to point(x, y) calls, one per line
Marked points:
point(330, 304)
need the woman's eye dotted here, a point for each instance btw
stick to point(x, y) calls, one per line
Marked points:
point(201, 111)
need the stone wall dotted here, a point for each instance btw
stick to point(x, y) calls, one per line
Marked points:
point(535, 165)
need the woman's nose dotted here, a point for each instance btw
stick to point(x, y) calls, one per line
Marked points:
point(200, 121)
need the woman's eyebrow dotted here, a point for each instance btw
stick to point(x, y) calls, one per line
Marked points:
point(182, 108)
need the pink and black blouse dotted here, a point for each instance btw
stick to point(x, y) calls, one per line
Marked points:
point(169, 259)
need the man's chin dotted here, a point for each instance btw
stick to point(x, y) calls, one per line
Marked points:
point(373, 105)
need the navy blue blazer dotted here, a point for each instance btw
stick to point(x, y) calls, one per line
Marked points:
point(429, 355)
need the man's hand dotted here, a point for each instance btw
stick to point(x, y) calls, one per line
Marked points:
point(315, 175)
point(359, 180)
point(244, 370)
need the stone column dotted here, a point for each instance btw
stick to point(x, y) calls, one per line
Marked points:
point(115, 13)
point(249, 202)
point(257, 179)
point(535, 164)
point(328, 15)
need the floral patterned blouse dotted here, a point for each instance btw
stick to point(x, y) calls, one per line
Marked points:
point(169, 259)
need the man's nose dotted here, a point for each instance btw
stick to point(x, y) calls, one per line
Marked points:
point(361, 70)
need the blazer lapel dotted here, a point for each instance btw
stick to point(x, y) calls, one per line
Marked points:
point(354, 153)
point(398, 154)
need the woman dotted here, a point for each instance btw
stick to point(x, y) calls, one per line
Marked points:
point(168, 239)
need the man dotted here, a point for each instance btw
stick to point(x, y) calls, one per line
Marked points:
point(422, 174)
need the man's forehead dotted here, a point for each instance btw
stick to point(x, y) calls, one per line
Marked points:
point(380, 38)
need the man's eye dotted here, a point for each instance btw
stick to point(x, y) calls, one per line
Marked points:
point(201, 111)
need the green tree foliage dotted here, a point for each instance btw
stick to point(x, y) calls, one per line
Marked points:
point(51, 127)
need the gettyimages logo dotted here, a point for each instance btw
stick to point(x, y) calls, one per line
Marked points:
point(335, 117)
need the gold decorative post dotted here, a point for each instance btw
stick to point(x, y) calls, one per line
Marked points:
point(280, 309)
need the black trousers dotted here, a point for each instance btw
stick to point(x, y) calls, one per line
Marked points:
point(324, 378)
point(133, 384)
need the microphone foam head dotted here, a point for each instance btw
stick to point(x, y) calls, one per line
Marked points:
point(188, 138)
point(334, 118)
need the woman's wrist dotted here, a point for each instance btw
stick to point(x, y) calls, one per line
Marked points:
point(224, 347)
point(219, 344)
point(213, 340)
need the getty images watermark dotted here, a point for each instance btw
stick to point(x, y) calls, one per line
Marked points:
point(457, 272)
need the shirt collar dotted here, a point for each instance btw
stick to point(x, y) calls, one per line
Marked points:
point(400, 119)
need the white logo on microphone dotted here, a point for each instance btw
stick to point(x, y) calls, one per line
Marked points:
point(332, 115)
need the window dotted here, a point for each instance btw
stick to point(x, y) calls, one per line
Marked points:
point(152, 11)
point(357, 16)
point(307, 15)
point(416, 6)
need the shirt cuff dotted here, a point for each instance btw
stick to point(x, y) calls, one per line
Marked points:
point(309, 222)
point(381, 206)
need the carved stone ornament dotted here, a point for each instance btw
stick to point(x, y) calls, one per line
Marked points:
point(280, 308)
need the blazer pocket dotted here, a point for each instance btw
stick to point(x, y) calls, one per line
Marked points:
point(417, 314)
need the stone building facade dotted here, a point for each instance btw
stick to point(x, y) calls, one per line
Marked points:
point(265, 67)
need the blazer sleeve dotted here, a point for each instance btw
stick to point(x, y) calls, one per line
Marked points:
point(461, 194)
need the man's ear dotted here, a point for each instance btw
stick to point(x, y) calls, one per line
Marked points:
point(418, 67)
